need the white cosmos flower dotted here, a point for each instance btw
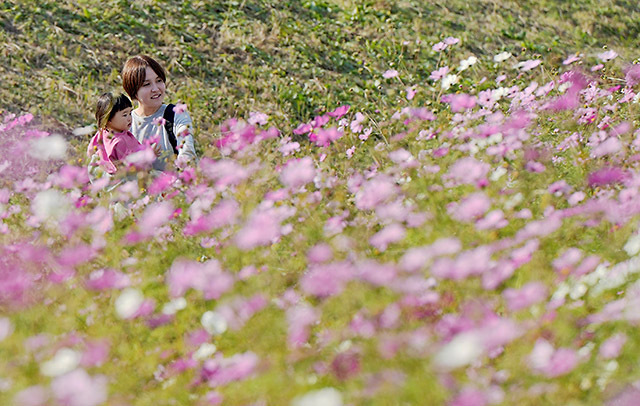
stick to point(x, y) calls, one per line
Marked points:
point(173, 306)
point(205, 351)
point(128, 303)
point(466, 63)
point(449, 80)
point(53, 147)
point(50, 204)
point(462, 350)
point(501, 57)
point(632, 247)
point(322, 397)
point(65, 360)
point(214, 323)
point(6, 328)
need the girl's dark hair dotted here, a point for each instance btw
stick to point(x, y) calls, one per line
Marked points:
point(108, 106)
point(134, 73)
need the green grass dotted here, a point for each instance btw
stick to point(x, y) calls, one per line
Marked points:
point(290, 59)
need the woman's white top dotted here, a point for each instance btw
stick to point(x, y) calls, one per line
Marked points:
point(146, 127)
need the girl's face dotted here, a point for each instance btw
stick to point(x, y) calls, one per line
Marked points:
point(121, 121)
point(151, 94)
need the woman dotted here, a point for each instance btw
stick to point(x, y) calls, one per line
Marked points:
point(144, 80)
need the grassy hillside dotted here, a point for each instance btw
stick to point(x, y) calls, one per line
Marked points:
point(286, 58)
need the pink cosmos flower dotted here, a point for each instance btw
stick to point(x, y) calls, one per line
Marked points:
point(262, 228)
point(179, 108)
point(302, 129)
point(439, 73)
point(95, 354)
point(319, 253)
point(460, 102)
point(375, 191)
point(346, 364)
point(470, 208)
point(467, 170)
point(104, 279)
point(207, 277)
point(470, 397)
point(299, 319)
point(324, 137)
point(632, 76)
point(526, 296)
point(298, 172)
point(340, 111)
point(607, 176)
point(222, 371)
point(161, 183)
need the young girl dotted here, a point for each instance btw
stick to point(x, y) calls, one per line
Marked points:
point(144, 79)
point(113, 141)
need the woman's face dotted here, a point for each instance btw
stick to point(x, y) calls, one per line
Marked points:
point(151, 94)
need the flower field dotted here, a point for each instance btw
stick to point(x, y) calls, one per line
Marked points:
point(475, 244)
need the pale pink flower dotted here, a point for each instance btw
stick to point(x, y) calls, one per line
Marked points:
point(262, 228)
point(439, 73)
point(467, 170)
point(320, 253)
point(327, 279)
point(375, 273)
point(256, 117)
point(207, 277)
point(451, 40)
point(607, 55)
point(375, 192)
point(528, 65)
point(388, 235)
point(77, 388)
point(298, 172)
point(563, 361)
point(440, 46)
point(612, 346)
point(609, 147)
point(571, 59)
point(410, 93)
point(32, 396)
point(492, 220)
point(391, 73)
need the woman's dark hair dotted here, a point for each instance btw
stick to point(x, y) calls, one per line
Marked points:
point(134, 73)
point(108, 106)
